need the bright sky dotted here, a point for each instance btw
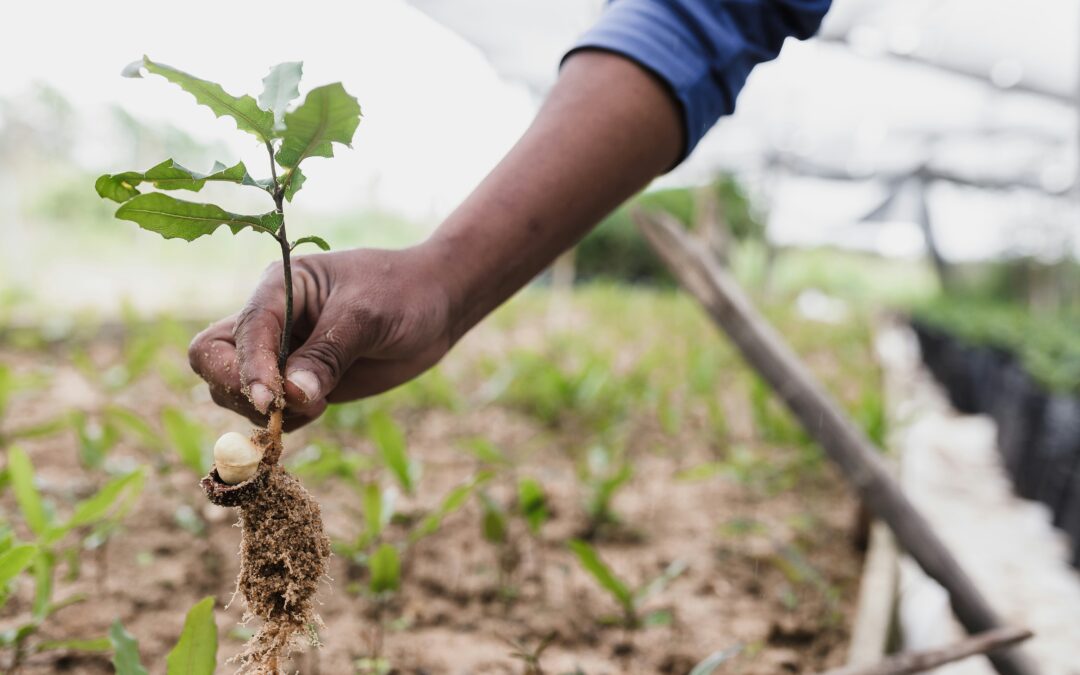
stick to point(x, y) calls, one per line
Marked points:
point(436, 115)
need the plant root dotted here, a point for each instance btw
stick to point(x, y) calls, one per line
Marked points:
point(283, 554)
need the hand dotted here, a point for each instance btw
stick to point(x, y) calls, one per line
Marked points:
point(366, 321)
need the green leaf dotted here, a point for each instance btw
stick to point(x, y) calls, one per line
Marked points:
point(533, 503)
point(493, 523)
point(14, 560)
point(280, 86)
point(123, 417)
point(391, 444)
point(244, 110)
point(44, 563)
point(125, 651)
point(378, 510)
point(657, 585)
point(169, 175)
point(318, 241)
point(293, 182)
point(21, 472)
point(592, 563)
point(118, 187)
point(385, 569)
point(95, 508)
point(485, 451)
point(188, 438)
point(175, 218)
point(75, 644)
point(327, 115)
point(453, 501)
point(196, 651)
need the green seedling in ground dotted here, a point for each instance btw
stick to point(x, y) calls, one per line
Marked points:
point(325, 459)
point(631, 601)
point(390, 443)
point(93, 518)
point(530, 657)
point(604, 473)
point(532, 503)
point(495, 527)
point(189, 439)
point(379, 507)
point(195, 652)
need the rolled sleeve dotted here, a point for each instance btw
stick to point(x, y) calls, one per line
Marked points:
point(703, 50)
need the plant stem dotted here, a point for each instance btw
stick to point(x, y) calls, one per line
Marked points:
point(286, 259)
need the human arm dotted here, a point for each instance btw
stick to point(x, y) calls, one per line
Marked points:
point(368, 320)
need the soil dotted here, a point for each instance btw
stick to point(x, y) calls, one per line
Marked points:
point(774, 570)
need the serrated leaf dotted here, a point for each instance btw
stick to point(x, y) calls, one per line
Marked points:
point(118, 187)
point(169, 175)
point(125, 651)
point(244, 109)
point(95, 508)
point(280, 86)
point(14, 560)
point(178, 219)
point(196, 651)
point(21, 472)
point(328, 115)
point(293, 182)
point(590, 560)
point(318, 241)
point(385, 568)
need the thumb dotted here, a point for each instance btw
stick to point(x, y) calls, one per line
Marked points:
point(314, 370)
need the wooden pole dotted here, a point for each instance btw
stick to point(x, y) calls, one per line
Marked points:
point(846, 444)
point(922, 661)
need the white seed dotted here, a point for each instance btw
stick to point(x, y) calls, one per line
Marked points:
point(236, 457)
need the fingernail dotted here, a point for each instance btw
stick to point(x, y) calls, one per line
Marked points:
point(306, 382)
point(261, 397)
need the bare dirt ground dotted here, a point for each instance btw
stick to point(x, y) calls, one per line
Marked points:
point(773, 569)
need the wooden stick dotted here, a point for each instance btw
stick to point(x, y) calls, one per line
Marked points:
point(824, 420)
point(921, 661)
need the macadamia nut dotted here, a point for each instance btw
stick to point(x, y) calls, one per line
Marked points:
point(236, 457)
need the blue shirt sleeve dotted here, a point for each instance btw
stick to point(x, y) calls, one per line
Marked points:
point(703, 50)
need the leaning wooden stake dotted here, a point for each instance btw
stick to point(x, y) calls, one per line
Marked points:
point(922, 661)
point(823, 419)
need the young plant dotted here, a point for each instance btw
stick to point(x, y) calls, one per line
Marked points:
point(195, 652)
point(604, 474)
point(630, 600)
point(284, 549)
point(530, 657)
point(93, 518)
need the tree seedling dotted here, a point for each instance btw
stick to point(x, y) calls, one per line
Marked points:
point(631, 601)
point(284, 549)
